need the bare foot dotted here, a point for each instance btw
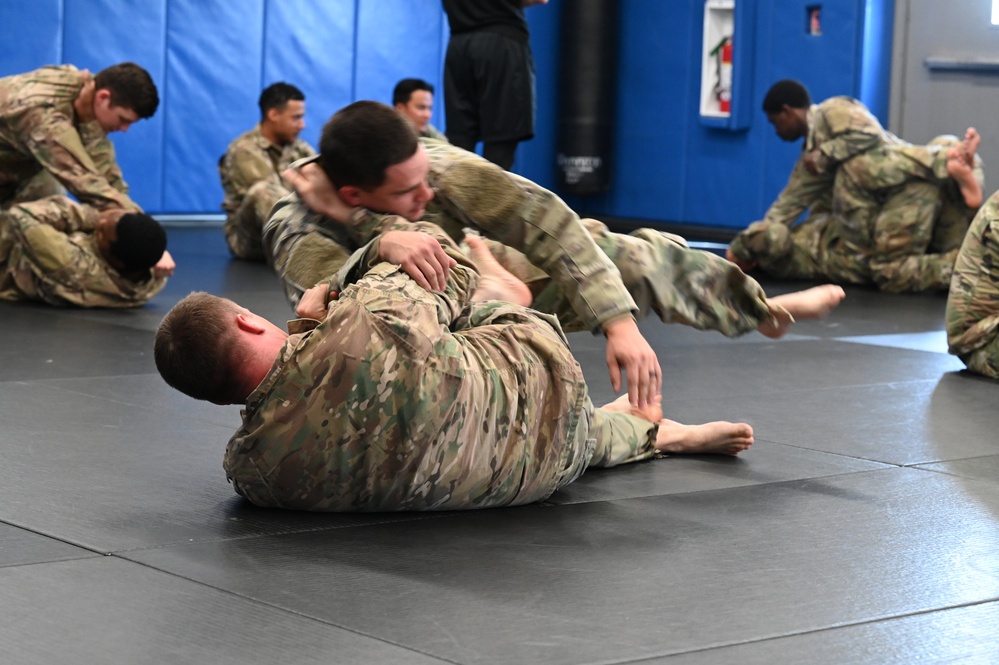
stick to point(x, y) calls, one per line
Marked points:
point(960, 166)
point(744, 266)
point(495, 281)
point(653, 412)
point(813, 303)
point(717, 438)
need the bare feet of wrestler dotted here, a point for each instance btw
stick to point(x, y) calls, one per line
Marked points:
point(813, 303)
point(495, 281)
point(961, 164)
point(715, 438)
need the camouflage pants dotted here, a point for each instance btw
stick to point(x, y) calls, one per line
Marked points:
point(905, 212)
point(973, 301)
point(814, 249)
point(663, 275)
point(895, 222)
point(244, 227)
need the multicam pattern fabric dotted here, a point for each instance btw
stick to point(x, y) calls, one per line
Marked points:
point(38, 131)
point(577, 269)
point(48, 253)
point(973, 301)
point(405, 399)
point(431, 132)
point(839, 128)
point(251, 177)
point(882, 211)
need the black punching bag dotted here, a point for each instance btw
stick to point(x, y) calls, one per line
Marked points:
point(587, 92)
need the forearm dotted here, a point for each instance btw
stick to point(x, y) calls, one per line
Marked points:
point(803, 191)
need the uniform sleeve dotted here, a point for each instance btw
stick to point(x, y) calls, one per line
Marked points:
point(303, 247)
point(844, 130)
point(533, 220)
point(101, 150)
point(59, 148)
point(245, 166)
point(803, 191)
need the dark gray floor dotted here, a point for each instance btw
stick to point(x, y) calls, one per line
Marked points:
point(861, 528)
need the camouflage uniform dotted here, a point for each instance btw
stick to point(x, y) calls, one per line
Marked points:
point(431, 132)
point(879, 210)
point(911, 210)
point(973, 301)
point(406, 399)
point(48, 252)
point(579, 271)
point(840, 128)
point(39, 132)
point(251, 177)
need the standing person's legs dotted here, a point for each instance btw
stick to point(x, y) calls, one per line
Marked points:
point(461, 106)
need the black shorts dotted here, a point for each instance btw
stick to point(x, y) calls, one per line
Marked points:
point(488, 88)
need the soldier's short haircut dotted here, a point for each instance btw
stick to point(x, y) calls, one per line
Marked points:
point(131, 87)
point(789, 92)
point(276, 95)
point(140, 241)
point(195, 348)
point(405, 88)
point(361, 141)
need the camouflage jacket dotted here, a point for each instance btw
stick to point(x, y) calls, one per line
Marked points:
point(838, 128)
point(48, 253)
point(251, 158)
point(405, 399)
point(973, 302)
point(306, 248)
point(39, 130)
point(432, 132)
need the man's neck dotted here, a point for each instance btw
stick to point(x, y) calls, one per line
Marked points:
point(83, 105)
point(267, 131)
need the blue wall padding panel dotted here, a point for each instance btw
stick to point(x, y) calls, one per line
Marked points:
point(214, 66)
point(211, 58)
point(311, 45)
point(399, 39)
point(141, 39)
point(30, 35)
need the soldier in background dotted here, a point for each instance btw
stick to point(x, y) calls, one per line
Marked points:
point(898, 220)
point(67, 254)
point(54, 123)
point(400, 398)
point(252, 165)
point(973, 302)
point(414, 98)
point(879, 210)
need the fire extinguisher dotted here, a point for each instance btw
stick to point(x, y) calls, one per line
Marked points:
point(723, 89)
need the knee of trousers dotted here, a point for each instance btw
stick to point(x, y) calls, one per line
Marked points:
point(762, 240)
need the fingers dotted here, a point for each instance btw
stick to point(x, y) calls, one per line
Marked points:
point(615, 376)
point(644, 383)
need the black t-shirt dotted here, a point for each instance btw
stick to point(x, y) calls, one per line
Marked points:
point(503, 16)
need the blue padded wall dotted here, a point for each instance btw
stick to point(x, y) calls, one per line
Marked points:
point(211, 58)
point(669, 167)
point(142, 38)
point(37, 25)
point(399, 39)
point(318, 61)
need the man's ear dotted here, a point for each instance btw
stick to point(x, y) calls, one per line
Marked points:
point(249, 324)
point(350, 195)
point(103, 95)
